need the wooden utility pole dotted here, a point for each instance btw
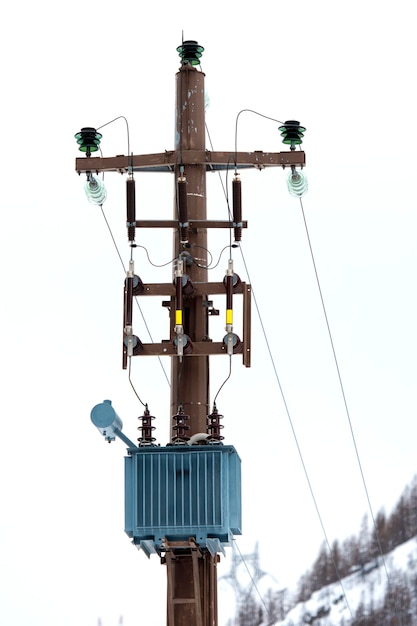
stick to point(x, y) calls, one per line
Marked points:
point(190, 377)
point(192, 577)
point(180, 471)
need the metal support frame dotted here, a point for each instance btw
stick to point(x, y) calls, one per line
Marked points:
point(168, 161)
point(191, 584)
point(191, 569)
point(205, 347)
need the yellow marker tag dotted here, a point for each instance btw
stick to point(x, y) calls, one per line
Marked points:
point(178, 317)
point(229, 316)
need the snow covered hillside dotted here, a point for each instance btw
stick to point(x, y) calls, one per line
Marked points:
point(385, 587)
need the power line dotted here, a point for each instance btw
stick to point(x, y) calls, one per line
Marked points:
point(344, 394)
point(283, 396)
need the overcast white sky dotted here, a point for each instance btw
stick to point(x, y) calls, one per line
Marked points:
point(347, 72)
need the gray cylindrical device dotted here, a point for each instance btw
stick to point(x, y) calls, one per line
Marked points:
point(105, 418)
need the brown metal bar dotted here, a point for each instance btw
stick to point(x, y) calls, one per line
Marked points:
point(127, 314)
point(229, 291)
point(170, 588)
point(168, 161)
point(199, 348)
point(202, 289)
point(192, 224)
point(210, 597)
point(182, 202)
point(197, 587)
point(247, 304)
point(237, 207)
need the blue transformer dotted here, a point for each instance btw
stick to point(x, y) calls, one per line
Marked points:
point(178, 492)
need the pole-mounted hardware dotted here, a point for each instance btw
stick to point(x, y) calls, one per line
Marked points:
point(213, 425)
point(183, 500)
point(88, 140)
point(146, 429)
point(237, 207)
point(109, 424)
point(130, 208)
point(292, 134)
point(190, 52)
point(180, 427)
point(182, 208)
